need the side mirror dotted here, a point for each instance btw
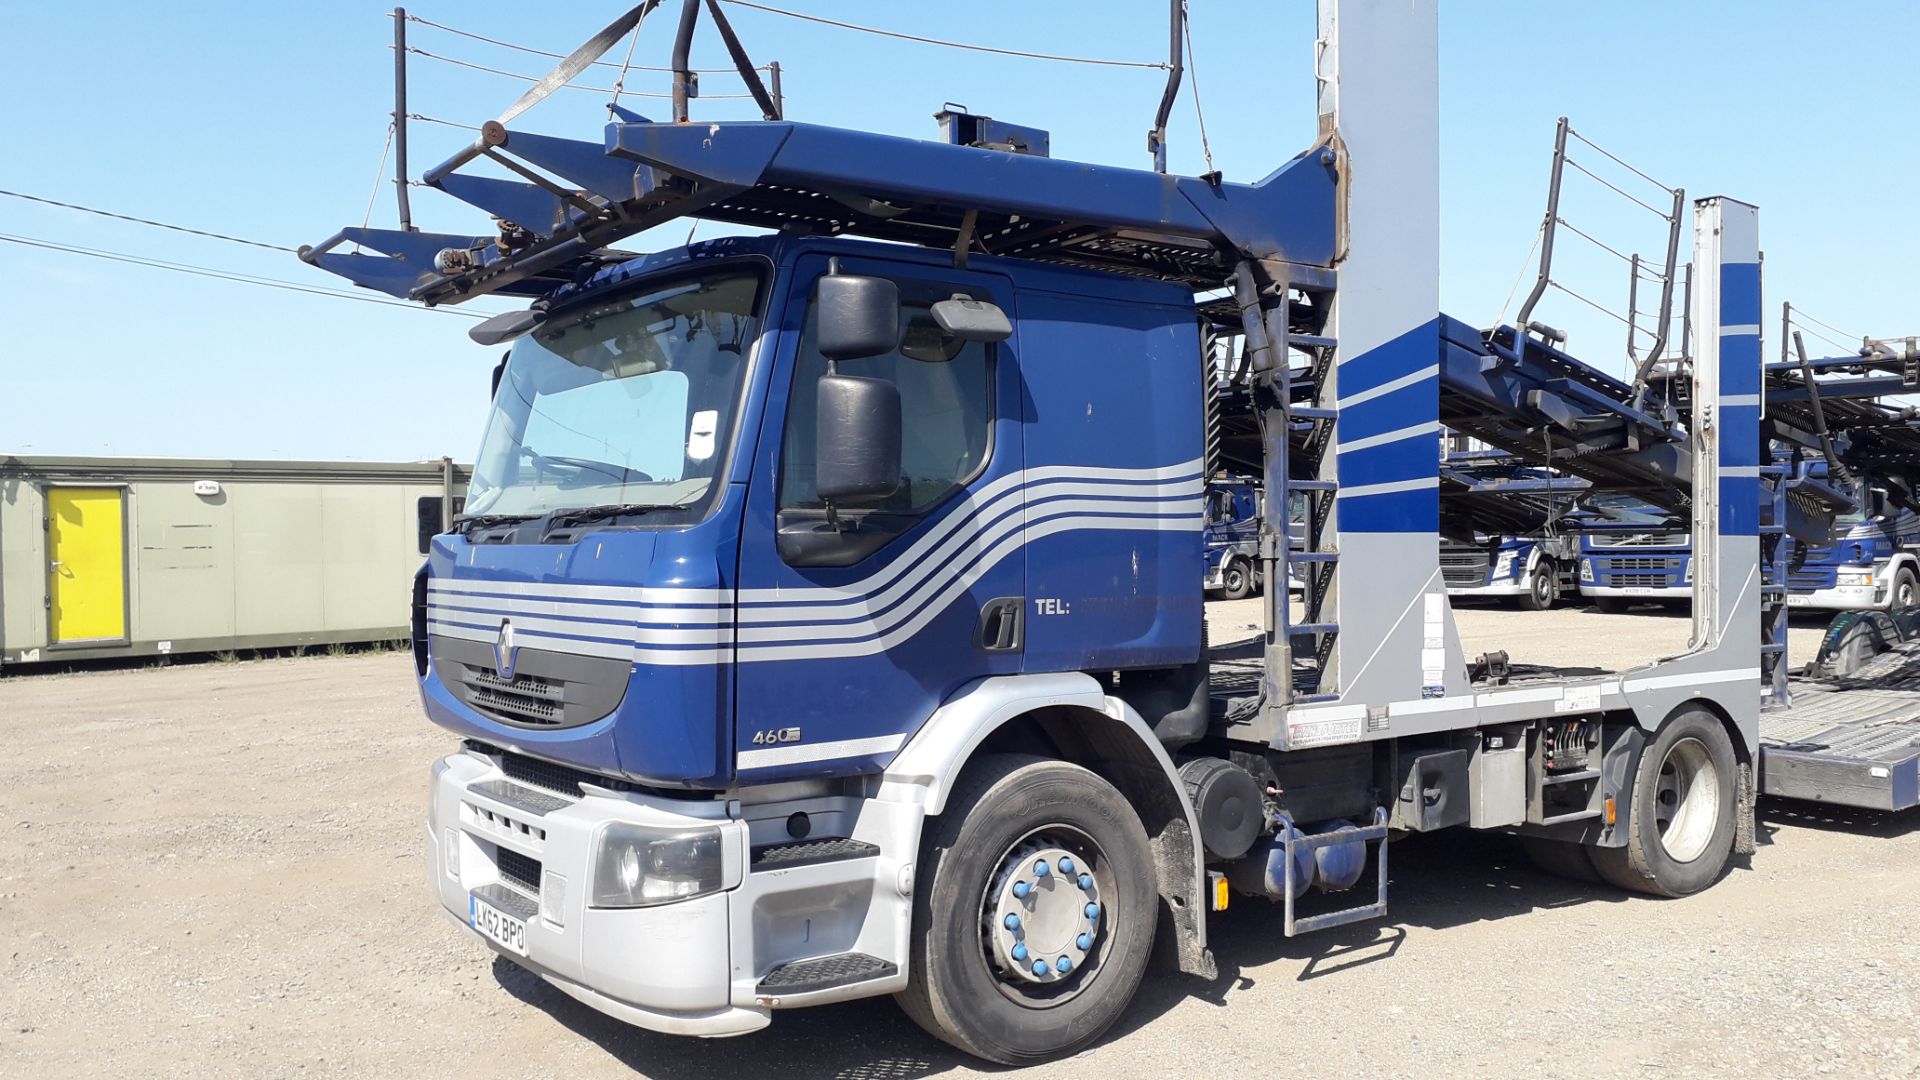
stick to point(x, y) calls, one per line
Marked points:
point(857, 436)
point(859, 316)
point(972, 320)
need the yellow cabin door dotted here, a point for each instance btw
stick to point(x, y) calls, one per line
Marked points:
point(87, 557)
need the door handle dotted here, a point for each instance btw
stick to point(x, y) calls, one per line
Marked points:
point(1003, 625)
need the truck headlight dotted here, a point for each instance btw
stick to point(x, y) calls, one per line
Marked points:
point(1503, 566)
point(638, 866)
point(1687, 578)
point(1586, 569)
point(1856, 577)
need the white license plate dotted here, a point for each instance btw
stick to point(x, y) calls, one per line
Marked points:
point(503, 929)
point(1799, 601)
point(1639, 590)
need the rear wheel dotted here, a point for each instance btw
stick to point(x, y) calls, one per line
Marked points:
point(1543, 590)
point(1906, 590)
point(1680, 819)
point(1035, 912)
point(1236, 581)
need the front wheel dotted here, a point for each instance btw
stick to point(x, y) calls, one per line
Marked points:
point(1680, 820)
point(1905, 592)
point(1544, 589)
point(1236, 581)
point(1034, 914)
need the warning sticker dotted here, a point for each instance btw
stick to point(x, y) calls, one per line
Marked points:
point(1305, 733)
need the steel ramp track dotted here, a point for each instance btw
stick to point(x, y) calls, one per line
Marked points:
point(1853, 741)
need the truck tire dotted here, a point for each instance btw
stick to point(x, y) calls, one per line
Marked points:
point(1543, 590)
point(1560, 858)
point(1905, 592)
point(1236, 581)
point(971, 980)
point(1680, 819)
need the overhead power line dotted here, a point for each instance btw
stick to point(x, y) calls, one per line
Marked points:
point(557, 56)
point(227, 275)
point(1156, 65)
point(144, 221)
point(417, 51)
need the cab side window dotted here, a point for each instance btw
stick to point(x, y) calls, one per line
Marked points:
point(946, 406)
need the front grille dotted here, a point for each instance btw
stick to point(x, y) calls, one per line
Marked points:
point(1824, 577)
point(519, 869)
point(1653, 540)
point(1640, 581)
point(1464, 568)
point(1641, 562)
point(547, 776)
point(526, 698)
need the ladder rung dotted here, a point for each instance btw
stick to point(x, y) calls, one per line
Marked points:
point(1313, 556)
point(1310, 341)
point(1312, 485)
point(1308, 699)
point(1562, 819)
point(1303, 412)
point(1306, 628)
point(1777, 647)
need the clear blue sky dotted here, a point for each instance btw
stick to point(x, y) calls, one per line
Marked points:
point(266, 120)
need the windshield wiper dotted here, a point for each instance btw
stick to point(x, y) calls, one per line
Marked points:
point(580, 515)
point(470, 522)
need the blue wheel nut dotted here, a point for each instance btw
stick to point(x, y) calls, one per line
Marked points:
point(1083, 942)
point(1041, 869)
point(1020, 953)
point(1066, 865)
point(1093, 911)
point(1039, 967)
point(1021, 889)
point(1013, 923)
point(1063, 966)
point(1086, 882)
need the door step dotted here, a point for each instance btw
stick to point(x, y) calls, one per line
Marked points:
point(809, 852)
point(825, 973)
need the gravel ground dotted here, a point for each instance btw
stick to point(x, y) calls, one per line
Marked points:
point(214, 870)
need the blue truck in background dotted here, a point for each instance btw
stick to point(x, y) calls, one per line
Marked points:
point(1232, 537)
point(1631, 552)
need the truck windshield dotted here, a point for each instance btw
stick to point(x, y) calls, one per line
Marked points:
point(623, 403)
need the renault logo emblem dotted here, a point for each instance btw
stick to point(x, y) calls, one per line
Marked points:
point(505, 652)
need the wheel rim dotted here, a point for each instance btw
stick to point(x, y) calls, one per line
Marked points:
point(1687, 800)
point(1236, 579)
point(1543, 589)
point(1043, 931)
point(1903, 593)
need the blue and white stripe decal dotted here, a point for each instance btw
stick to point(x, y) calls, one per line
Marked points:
point(1739, 399)
point(1388, 442)
point(674, 626)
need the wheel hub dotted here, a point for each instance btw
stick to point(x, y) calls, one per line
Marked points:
point(1042, 914)
point(1687, 800)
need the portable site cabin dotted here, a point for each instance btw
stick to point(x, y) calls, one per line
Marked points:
point(129, 557)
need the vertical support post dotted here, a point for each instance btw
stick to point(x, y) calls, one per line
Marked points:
point(446, 494)
point(1547, 228)
point(1176, 70)
point(684, 85)
point(773, 84)
point(400, 118)
point(1379, 79)
point(1726, 433)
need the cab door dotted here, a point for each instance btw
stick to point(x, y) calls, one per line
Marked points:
point(851, 632)
point(86, 565)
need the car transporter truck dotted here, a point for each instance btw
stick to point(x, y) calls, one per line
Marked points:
point(826, 617)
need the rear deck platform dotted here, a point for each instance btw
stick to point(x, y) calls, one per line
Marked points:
point(1853, 740)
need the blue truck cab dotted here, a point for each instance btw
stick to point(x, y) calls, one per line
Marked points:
point(1870, 564)
point(1232, 537)
point(1632, 551)
point(1529, 569)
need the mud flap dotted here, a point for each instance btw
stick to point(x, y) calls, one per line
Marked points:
point(1745, 830)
